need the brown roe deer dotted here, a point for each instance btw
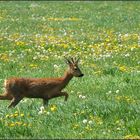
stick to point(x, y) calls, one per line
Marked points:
point(45, 88)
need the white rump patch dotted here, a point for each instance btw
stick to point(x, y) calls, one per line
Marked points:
point(5, 83)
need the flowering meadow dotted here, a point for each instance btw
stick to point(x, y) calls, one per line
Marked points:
point(105, 103)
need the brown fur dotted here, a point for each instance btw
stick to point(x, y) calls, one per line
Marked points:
point(45, 88)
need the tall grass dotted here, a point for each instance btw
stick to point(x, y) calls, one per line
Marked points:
point(35, 36)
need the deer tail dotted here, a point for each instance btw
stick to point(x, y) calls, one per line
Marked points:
point(5, 97)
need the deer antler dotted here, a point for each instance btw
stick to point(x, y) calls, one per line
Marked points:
point(67, 60)
point(72, 60)
point(77, 60)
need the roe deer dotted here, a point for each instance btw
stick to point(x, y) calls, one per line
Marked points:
point(45, 88)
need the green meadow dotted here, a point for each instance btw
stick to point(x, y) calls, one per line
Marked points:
point(35, 36)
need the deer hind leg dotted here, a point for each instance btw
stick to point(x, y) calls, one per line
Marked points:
point(66, 95)
point(15, 101)
point(5, 96)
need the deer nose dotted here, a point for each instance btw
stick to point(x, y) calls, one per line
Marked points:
point(81, 75)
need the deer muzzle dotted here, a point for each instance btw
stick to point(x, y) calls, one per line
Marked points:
point(81, 75)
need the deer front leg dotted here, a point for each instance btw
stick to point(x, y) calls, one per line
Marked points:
point(66, 95)
point(61, 94)
point(45, 102)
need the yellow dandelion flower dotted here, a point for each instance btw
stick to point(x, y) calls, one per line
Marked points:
point(74, 19)
point(22, 115)
point(4, 57)
point(123, 68)
point(15, 115)
point(118, 121)
point(25, 124)
point(64, 19)
point(7, 116)
point(82, 112)
point(88, 128)
point(1, 119)
point(118, 98)
point(75, 126)
point(100, 122)
point(33, 65)
point(11, 115)
point(107, 40)
point(18, 123)
point(75, 114)
point(1, 39)
point(16, 112)
point(20, 43)
point(12, 124)
point(93, 65)
point(30, 125)
point(131, 136)
point(53, 108)
point(98, 72)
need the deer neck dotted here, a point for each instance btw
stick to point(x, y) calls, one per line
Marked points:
point(66, 78)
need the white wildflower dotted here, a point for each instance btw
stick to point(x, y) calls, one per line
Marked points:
point(126, 55)
point(72, 91)
point(80, 96)
point(83, 97)
point(104, 133)
point(132, 49)
point(42, 108)
point(90, 122)
point(118, 128)
point(24, 100)
point(117, 91)
point(126, 35)
point(55, 66)
point(34, 58)
point(48, 113)
point(85, 121)
point(40, 112)
point(109, 92)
